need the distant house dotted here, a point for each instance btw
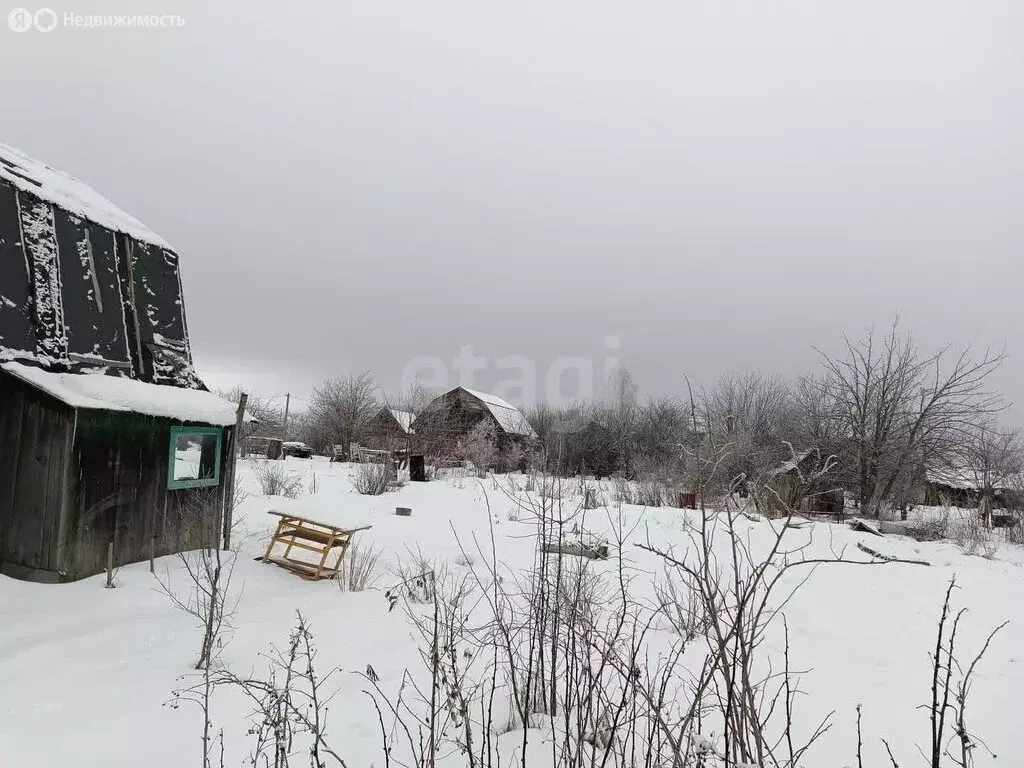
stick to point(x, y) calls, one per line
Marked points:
point(449, 418)
point(390, 429)
point(107, 436)
point(964, 486)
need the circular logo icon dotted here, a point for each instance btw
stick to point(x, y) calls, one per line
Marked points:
point(45, 19)
point(20, 20)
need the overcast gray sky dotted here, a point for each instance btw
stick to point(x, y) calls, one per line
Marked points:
point(717, 185)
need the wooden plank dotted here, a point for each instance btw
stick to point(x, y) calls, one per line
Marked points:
point(288, 516)
point(56, 427)
point(307, 571)
point(311, 534)
point(12, 403)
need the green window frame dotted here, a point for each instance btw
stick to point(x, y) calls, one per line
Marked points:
point(174, 484)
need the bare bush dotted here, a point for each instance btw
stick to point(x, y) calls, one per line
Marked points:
point(479, 448)
point(646, 492)
point(680, 600)
point(592, 497)
point(359, 572)
point(419, 579)
point(207, 593)
point(290, 705)
point(374, 479)
point(623, 491)
point(951, 682)
point(929, 528)
point(971, 535)
point(275, 479)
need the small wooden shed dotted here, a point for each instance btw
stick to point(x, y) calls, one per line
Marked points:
point(87, 460)
point(390, 429)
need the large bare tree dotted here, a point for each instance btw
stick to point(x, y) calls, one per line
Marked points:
point(900, 409)
point(747, 418)
point(339, 409)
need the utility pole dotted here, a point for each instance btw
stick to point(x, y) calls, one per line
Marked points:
point(287, 404)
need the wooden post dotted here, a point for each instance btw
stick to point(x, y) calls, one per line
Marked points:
point(110, 565)
point(229, 486)
point(152, 555)
point(287, 406)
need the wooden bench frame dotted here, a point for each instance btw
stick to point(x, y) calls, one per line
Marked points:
point(311, 536)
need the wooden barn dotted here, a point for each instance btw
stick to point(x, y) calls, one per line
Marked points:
point(449, 418)
point(107, 436)
point(390, 429)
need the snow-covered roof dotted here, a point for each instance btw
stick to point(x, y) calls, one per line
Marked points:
point(69, 193)
point(97, 391)
point(509, 417)
point(961, 478)
point(791, 464)
point(968, 479)
point(404, 418)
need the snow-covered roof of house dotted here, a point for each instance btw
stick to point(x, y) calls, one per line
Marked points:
point(97, 391)
point(791, 464)
point(964, 478)
point(960, 478)
point(404, 418)
point(69, 193)
point(509, 417)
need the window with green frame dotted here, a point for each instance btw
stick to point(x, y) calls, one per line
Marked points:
point(194, 458)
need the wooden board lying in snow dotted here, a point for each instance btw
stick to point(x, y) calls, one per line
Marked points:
point(860, 525)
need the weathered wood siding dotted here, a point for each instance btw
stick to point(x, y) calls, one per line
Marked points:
point(35, 441)
point(121, 494)
point(72, 481)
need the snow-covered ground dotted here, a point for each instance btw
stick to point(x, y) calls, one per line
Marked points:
point(86, 671)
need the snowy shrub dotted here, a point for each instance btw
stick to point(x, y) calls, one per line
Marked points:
point(550, 487)
point(682, 604)
point(465, 560)
point(1014, 534)
point(359, 571)
point(974, 538)
point(650, 493)
point(419, 579)
point(515, 514)
point(512, 458)
point(374, 479)
point(479, 448)
point(644, 492)
point(275, 479)
point(623, 491)
point(929, 528)
point(592, 498)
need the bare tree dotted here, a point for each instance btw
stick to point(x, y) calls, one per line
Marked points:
point(208, 595)
point(900, 408)
point(268, 416)
point(620, 415)
point(413, 398)
point(339, 409)
point(993, 458)
point(746, 420)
